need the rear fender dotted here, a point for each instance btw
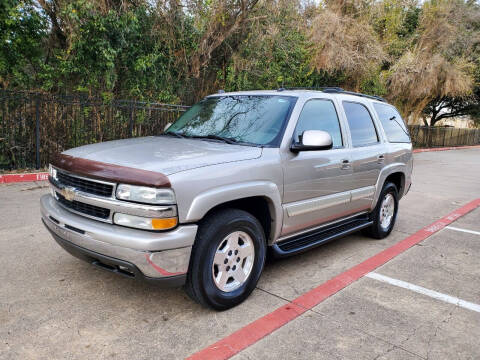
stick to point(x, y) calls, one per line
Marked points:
point(384, 173)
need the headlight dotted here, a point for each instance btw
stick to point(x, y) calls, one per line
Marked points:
point(146, 195)
point(52, 171)
point(140, 222)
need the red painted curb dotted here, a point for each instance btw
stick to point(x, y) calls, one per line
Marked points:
point(258, 329)
point(14, 178)
point(447, 148)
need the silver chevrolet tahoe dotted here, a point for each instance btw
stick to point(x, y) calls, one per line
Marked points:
point(236, 176)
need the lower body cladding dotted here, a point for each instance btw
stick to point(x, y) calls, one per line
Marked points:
point(160, 257)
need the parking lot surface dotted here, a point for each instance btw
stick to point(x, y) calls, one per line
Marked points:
point(422, 304)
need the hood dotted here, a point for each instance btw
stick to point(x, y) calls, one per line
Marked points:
point(165, 154)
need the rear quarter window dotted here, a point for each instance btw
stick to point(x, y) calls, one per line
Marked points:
point(392, 123)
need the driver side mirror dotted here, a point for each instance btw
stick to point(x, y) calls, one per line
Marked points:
point(312, 140)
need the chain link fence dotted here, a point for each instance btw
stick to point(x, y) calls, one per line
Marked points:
point(34, 126)
point(426, 136)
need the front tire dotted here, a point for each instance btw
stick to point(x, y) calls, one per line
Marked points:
point(385, 213)
point(227, 259)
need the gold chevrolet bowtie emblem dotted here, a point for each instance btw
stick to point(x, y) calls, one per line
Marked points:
point(68, 193)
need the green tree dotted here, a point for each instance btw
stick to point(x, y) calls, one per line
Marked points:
point(275, 54)
point(422, 55)
point(22, 35)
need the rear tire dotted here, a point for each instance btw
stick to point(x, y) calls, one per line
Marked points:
point(227, 259)
point(385, 213)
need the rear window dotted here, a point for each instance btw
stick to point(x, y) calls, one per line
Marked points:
point(392, 123)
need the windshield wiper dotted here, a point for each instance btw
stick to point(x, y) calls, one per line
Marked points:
point(227, 140)
point(176, 134)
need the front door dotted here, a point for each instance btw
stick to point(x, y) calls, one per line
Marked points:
point(317, 184)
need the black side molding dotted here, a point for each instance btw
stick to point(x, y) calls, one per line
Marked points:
point(311, 239)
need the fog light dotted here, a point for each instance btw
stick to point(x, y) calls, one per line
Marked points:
point(145, 223)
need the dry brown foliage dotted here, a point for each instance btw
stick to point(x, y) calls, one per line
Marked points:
point(439, 64)
point(344, 43)
point(417, 79)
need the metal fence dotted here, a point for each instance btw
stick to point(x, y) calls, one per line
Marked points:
point(33, 126)
point(426, 136)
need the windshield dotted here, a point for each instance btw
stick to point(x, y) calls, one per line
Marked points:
point(251, 119)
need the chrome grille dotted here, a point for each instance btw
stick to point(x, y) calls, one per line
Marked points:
point(84, 185)
point(96, 199)
point(86, 209)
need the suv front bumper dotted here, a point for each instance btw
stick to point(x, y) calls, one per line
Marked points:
point(158, 256)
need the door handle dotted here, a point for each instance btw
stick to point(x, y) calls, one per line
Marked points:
point(345, 164)
point(381, 158)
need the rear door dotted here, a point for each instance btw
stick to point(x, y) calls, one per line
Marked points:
point(367, 152)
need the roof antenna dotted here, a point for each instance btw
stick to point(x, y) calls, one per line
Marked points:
point(221, 91)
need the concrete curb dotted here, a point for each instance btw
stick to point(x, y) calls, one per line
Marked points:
point(447, 148)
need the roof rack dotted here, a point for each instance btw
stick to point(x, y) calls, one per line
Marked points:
point(334, 89)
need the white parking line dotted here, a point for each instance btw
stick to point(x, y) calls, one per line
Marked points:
point(421, 290)
point(463, 230)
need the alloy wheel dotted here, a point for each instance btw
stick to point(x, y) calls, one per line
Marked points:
point(233, 261)
point(387, 211)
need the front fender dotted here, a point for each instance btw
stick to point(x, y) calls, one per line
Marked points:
point(209, 199)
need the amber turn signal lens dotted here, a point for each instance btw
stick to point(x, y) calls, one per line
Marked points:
point(145, 223)
point(163, 224)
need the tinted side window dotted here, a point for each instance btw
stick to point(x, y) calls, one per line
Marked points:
point(361, 124)
point(392, 123)
point(319, 115)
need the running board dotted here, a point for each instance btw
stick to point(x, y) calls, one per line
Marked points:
point(304, 242)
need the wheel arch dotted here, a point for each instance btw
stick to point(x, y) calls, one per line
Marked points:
point(397, 178)
point(395, 173)
point(261, 199)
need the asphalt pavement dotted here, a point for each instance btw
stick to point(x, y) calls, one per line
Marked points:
point(419, 305)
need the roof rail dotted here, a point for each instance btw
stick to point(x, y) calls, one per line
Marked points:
point(302, 88)
point(331, 89)
point(373, 97)
point(334, 89)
